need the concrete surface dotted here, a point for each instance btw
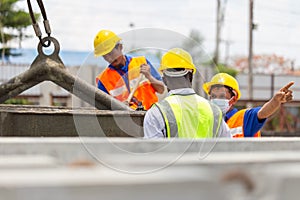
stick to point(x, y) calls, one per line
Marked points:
point(130, 168)
point(36, 121)
point(93, 168)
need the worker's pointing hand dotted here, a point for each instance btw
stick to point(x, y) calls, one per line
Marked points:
point(284, 94)
point(287, 86)
point(145, 69)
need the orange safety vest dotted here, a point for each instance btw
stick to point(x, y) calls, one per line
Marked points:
point(116, 86)
point(235, 123)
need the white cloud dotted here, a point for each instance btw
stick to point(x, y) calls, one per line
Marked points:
point(75, 23)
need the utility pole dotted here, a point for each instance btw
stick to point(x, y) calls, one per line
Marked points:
point(219, 24)
point(227, 50)
point(218, 31)
point(250, 73)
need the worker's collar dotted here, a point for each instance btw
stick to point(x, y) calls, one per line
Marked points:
point(182, 91)
point(123, 68)
point(230, 113)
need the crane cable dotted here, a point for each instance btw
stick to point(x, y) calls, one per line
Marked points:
point(37, 30)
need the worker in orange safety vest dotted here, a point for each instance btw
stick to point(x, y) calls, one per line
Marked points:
point(126, 74)
point(224, 91)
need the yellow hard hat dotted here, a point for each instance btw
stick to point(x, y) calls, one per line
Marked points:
point(104, 42)
point(223, 79)
point(177, 58)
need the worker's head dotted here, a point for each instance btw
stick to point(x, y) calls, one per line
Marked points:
point(177, 67)
point(108, 45)
point(223, 90)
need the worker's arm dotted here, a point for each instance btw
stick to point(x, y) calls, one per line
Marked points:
point(224, 130)
point(156, 84)
point(282, 96)
point(154, 125)
point(251, 123)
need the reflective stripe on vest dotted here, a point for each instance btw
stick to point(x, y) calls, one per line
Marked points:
point(116, 86)
point(237, 132)
point(236, 122)
point(190, 116)
point(118, 91)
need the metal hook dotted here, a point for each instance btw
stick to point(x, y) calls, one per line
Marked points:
point(49, 40)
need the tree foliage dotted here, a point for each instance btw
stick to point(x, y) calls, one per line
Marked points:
point(17, 101)
point(221, 68)
point(13, 22)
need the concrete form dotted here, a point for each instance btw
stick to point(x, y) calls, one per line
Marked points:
point(36, 121)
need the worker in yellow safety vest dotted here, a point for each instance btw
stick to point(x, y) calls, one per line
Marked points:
point(182, 113)
point(126, 74)
point(223, 90)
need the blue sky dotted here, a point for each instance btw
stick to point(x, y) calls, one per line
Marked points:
point(75, 23)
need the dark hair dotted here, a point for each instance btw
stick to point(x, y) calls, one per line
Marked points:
point(117, 45)
point(176, 69)
point(230, 89)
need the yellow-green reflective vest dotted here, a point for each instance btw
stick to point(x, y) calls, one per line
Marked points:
point(190, 116)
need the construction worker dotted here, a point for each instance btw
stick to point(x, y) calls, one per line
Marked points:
point(126, 74)
point(224, 91)
point(183, 113)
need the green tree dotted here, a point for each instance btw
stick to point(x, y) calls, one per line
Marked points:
point(17, 101)
point(13, 22)
point(221, 68)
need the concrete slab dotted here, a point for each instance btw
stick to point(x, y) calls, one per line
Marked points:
point(264, 169)
point(36, 121)
point(95, 183)
point(83, 146)
point(27, 162)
